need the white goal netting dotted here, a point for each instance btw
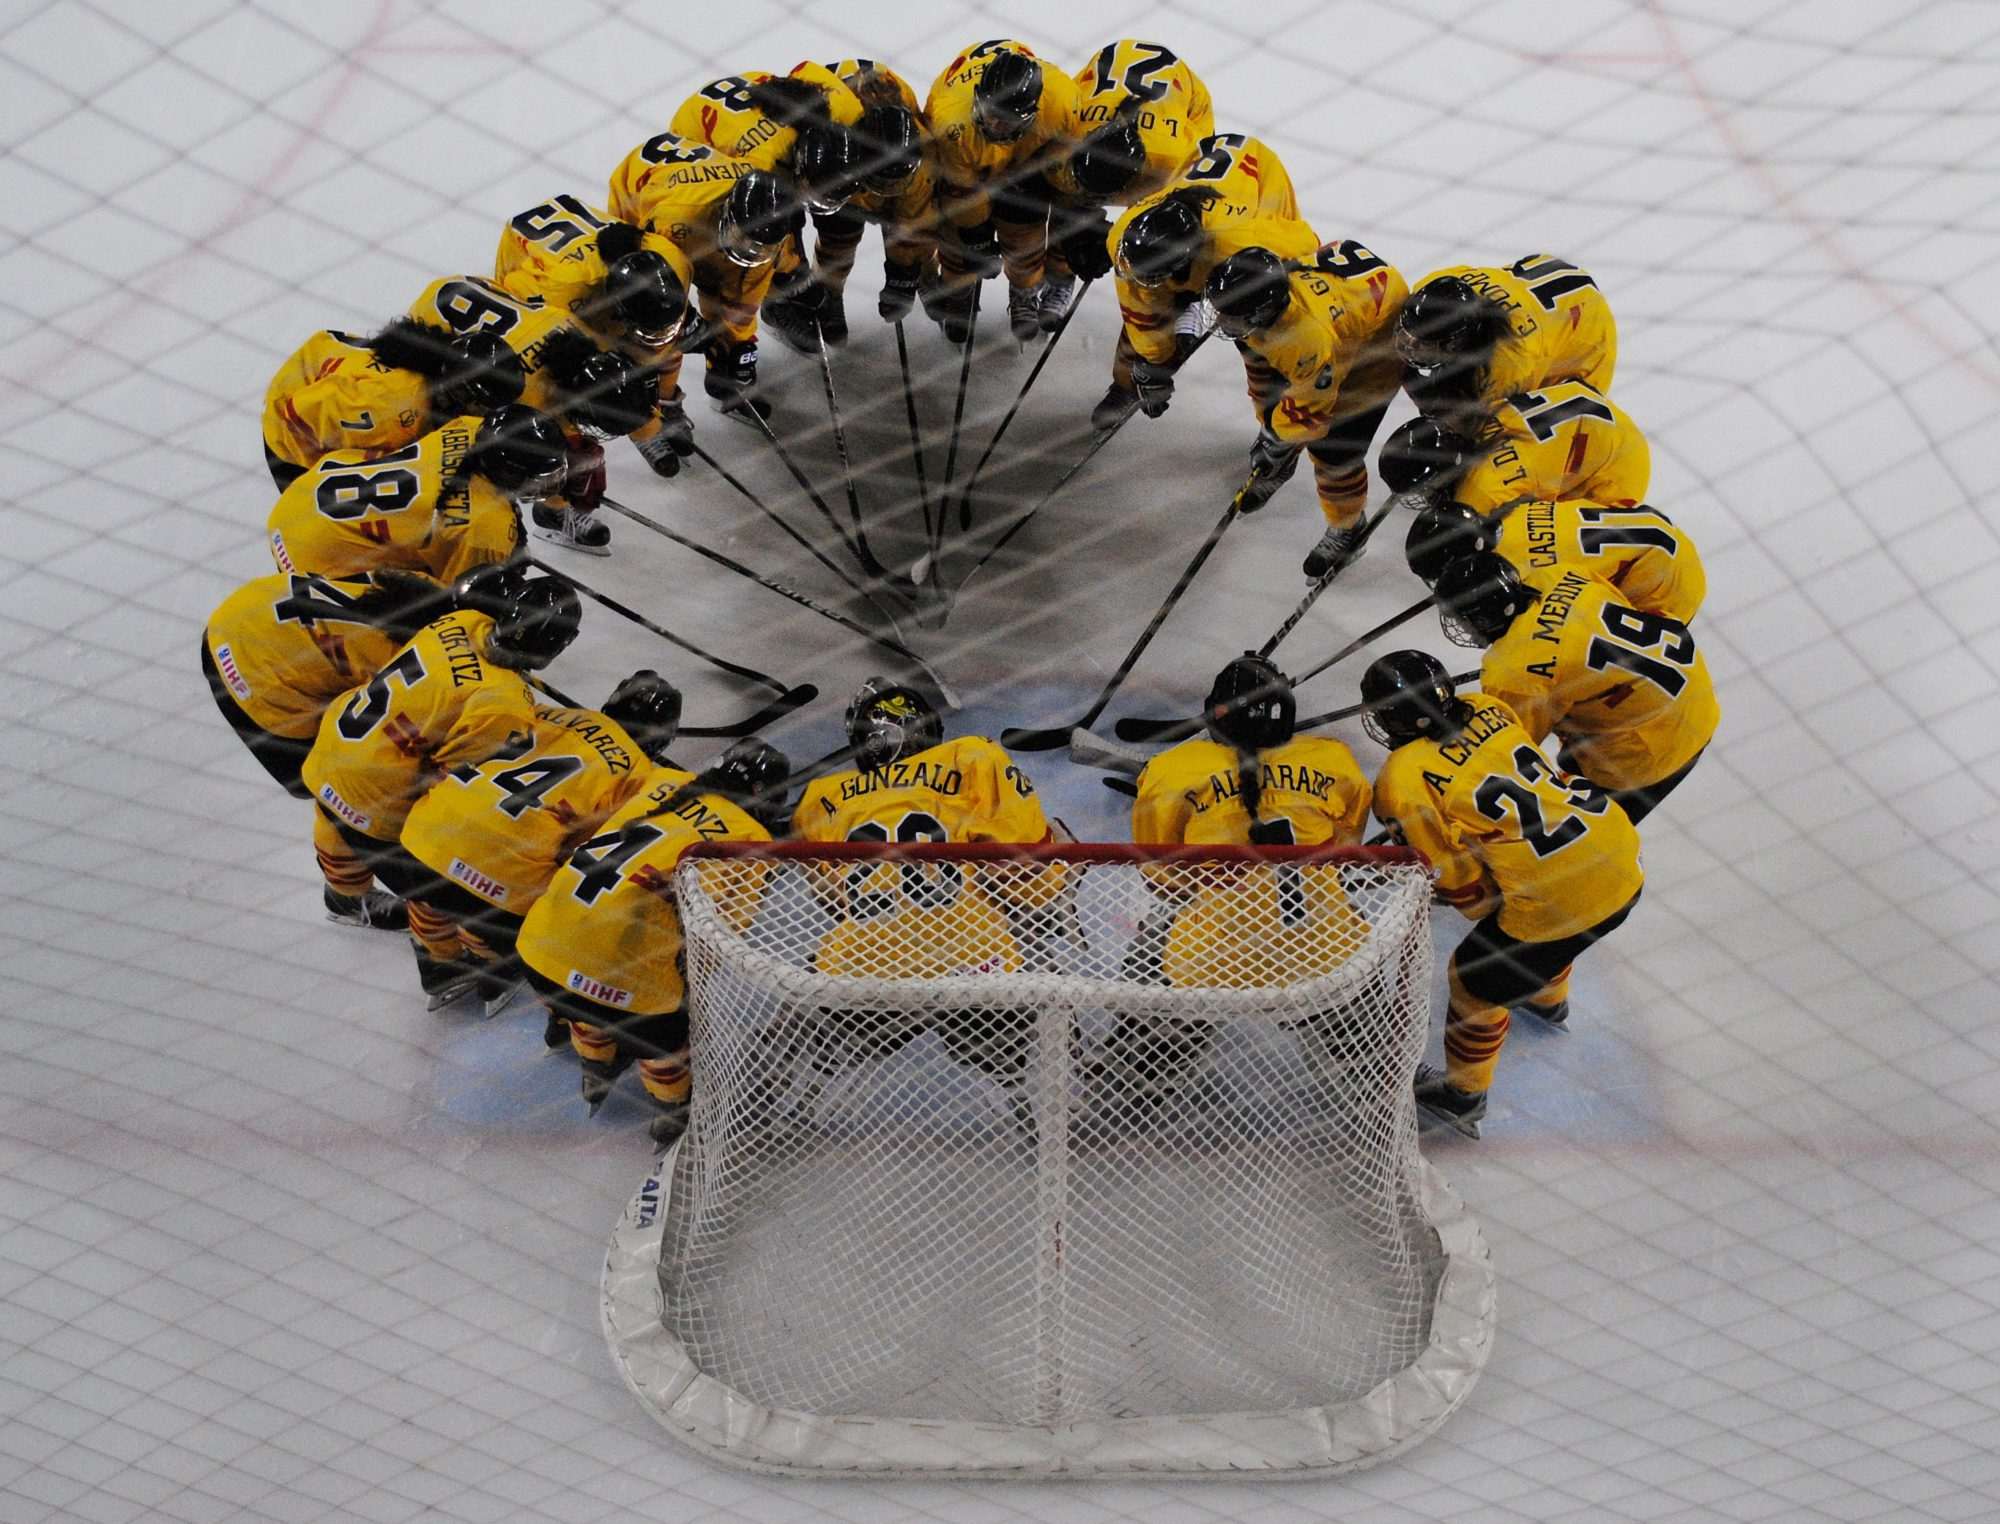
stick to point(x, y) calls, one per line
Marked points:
point(1085, 1160)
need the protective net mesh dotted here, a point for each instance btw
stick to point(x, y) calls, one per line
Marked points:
point(1050, 1140)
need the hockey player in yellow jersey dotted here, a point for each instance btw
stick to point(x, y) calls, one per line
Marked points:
point(438, 507)
point(897, 189)
point(732, 221)
point(1143, 112)
point(602, 946)
point(597, 394)
point(1234, 195)
point(1472, 336)
point(494, 832)
point(378, 394)
point(454, 694)
point(280, 649)
point(1324, 337)
point(624, 286)
point(1001, 118)
point(1640, 553)
point(1544, 862)
point(1565, 439)
point(1627, 692)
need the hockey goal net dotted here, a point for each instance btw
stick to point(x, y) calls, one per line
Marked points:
point(1055, 1160)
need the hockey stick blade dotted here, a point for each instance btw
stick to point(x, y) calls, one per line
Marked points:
point(624, 611)
point(785, 703)
point(1134, 729)
point(1091, 750)
point(1123, 786)
point(1034, 740)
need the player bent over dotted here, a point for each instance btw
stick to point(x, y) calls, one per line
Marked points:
point(1253, 781)
point(493, 833)
point(1323, 337)
point(1639, 552)
point(1545, 862)
point(276, 653)
point(1471, 336)
point(454, 694)
point(909, 920)
point(1627, 692)
point(602, 947)
point(378, 394)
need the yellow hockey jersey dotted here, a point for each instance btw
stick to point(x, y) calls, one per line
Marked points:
point(909, 920)
point(550, 251)
point(909, 216)
point(677, 188)
point(286, 647)
point(333, 394)
point(465, 303)
point(1495, 818)
point(438, 702)
point(1174, 112)
point(1190, 794)
point(1334, 346)
point(969, 162)
point(1560, 326)
point(1627, 691)
point(1648, 561)
point(499, 828)
point(1565, 439)
point(724, 115)
point(607, 929)
point(1249, 202)
point(412, 510)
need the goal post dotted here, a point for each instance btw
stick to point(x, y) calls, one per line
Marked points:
point(1071, 1159)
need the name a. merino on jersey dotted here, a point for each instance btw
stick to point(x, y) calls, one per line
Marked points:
point(462, 653)
point(343, 810)
point(597, 989)
point(477, 882)
point(225, 663)
point(1553, 613)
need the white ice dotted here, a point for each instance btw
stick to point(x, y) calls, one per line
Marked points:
point(277, 1245)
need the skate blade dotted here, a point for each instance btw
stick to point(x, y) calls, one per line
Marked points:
point(557, 538)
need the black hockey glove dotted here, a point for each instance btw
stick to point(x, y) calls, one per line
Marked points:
point(1087, 249)
point(1155, 386)
point(981, 247)
point(899, 292)
point(1272, 463)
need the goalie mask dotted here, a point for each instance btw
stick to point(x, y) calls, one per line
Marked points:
point(888, 721)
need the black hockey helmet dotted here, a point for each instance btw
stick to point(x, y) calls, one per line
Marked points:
point(889, 148)
point(1409, 696)
point(825, 166)
point(1445, 334)
point(1478, 597)
point(756, 218)
point(1424, 456)
point(1249, 291)
point(534, 623)
point(521, 451)
point(887, 721)
point(755, 775)
point(1250, 705)
point(1007, 96)
point(1111, 158)
point(1442, 533)
point(480, 374)
point(649, 707)
point(645, 298)
point(489, 588)
point(607, 395)
point(1158, 245)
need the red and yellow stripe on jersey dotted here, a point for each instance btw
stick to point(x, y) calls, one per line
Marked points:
point(1646, 559)
point(1496, 819)
point(1333, 349)
point(724, 115)
point(1565, 439)
point(286, 648)
point(550, 251)
point(909, 217)
point(333, 394)
point(606, 930)
point(411, 510)
point(1627, 691)
point(968, 162)
point(1560, 326)
point(438, 702)
point(1173, 112)
point(499, 828)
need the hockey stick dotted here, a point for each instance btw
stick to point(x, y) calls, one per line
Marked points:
point(807, 545)
point(775, 586)
point(869, 564)
point(1123, 786)
point(1351, 710)
point(916, 442)
point(748, 674)
point(1071, 735)
point(1048, 348)
point(763, 426)
point(1312, 593)
point(777, 709)
point(1180, 730)
point(926, 566)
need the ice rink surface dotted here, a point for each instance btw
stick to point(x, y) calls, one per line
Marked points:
point(275, 1244)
